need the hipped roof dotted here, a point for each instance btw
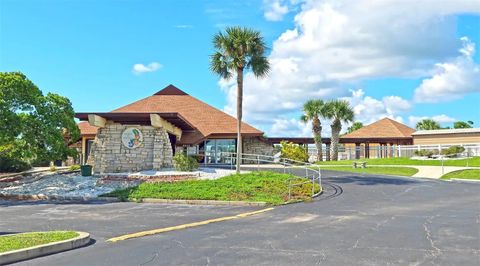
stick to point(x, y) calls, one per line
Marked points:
point(384, 128)
point(207, 120)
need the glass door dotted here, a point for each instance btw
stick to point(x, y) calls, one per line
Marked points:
point(224, 149)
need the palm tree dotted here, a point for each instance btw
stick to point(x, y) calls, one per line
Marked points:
point(427, 124)
point(355, 126)
point(338, 111)
point(238, 49)
point(312, 110)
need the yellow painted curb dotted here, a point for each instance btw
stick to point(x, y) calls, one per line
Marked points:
point(184, 226)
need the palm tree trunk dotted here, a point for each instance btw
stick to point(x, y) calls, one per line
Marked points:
point(239, 116)
point(336, 127)
point(317, 137)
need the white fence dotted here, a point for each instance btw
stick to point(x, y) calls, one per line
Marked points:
point(406, 151)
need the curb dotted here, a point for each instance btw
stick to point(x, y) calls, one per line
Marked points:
point(39, 197)
point(203, 202)
point(459, 180)
point(46, 249)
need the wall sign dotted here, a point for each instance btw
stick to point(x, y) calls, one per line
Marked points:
point(132, 138)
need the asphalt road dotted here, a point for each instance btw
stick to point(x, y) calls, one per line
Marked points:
point(359, 220)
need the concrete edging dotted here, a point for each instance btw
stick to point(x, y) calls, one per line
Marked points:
point(460, 180)
point(39, 197)
point(194, 202)
point(45, 249)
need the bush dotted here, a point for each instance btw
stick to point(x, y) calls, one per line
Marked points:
point(74, 167)
point(183, 162)
point(13, 165)
point(425, 153)
point(453, 150)
point(293, 152)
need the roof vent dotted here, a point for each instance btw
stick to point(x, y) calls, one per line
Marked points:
point(171, 90)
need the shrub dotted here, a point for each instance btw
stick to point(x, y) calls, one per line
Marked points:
point(426, 153)
point(53, 168)
point(74, 167)
point(183, 162)
point(453, 150)
point(293, 151)
point(8, 164)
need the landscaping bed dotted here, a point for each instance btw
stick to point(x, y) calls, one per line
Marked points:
point(26, 240)
point(381, 170)
point(263, 186)
point(74, 186)
point(472, 174)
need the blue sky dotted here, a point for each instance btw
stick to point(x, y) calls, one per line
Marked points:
point(86, 50)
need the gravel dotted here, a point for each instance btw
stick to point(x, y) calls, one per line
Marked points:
point(75, 185)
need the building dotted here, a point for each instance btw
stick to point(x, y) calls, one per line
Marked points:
point(447, 136)
point(146, 134)
point(378, 139)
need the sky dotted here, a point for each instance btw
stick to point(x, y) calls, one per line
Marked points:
point(403, 59)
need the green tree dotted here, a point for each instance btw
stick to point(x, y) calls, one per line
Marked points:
point(355, 126)
point(461, 124)
point(338, 111)
point(427, 124)
point(312, 111)
point(239, 49)
point(34, 126)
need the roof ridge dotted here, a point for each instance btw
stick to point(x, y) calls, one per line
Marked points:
point(170, 90)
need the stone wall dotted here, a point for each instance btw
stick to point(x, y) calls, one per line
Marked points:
point(255, 145)
point(109, 155)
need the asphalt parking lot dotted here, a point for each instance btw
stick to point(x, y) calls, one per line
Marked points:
point(359, 220)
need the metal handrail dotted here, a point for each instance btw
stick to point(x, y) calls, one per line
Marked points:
point(313, 169)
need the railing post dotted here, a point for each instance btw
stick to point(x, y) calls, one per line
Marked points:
point(231, 161)
point(283, 160)
point(258, 162)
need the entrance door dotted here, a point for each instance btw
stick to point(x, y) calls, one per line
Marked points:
point(217, 151)
point(173, 142)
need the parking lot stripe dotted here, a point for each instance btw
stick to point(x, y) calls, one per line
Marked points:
point(185, 226)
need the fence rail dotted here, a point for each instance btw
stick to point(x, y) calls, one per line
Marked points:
point(405, 151)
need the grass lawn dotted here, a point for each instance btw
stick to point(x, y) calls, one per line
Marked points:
point(26, 240)
point(263, 186)
point(464, 174)
point(401, 171)
point(475, 161)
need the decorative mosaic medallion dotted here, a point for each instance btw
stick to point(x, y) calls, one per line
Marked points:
point(132, 138)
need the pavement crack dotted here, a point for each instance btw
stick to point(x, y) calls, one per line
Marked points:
point(434, 251)
point(155, 255)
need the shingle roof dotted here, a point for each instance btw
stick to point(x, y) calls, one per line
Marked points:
point(206, 119)
point(447, 131)
point(86, 128)
point(384, 128)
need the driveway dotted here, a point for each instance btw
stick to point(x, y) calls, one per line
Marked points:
point(359, 220)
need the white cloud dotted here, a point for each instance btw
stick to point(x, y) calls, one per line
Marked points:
point(290, 128)
point(452, 79)
point(275, 10)
point(141, 68)
point(442, 119)
point(336, 44)
point(368, 110)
